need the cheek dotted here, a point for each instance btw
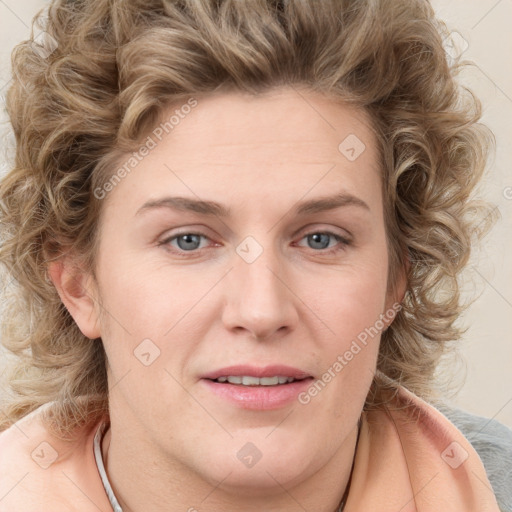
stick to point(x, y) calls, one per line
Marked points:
point(156, 304)
point(142, 295)
point(349, 345)
point(347, 299)
point(350, 307)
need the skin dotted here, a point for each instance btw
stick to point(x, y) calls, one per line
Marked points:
point(208, 308)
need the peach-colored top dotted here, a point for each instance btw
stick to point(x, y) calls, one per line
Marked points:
point(411, 459)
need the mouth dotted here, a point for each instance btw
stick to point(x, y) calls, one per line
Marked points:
point(250, 387)
point(250, 380)
point(248, 375)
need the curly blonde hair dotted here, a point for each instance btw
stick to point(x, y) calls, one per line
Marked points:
point(115, 65)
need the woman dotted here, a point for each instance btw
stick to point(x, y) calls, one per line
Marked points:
point(228, 224)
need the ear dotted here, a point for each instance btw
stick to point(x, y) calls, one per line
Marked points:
point(393, 301)
point(77, 293)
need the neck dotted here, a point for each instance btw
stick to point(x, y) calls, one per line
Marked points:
point(160, 487)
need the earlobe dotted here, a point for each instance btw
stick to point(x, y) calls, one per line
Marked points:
point(74, 287)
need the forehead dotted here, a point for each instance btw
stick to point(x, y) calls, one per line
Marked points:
point(254, 148)
point(308, 123)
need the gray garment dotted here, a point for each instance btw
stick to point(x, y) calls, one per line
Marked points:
point(493, 443)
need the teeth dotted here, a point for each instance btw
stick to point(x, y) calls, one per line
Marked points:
point(270, 381)
point(248, 380)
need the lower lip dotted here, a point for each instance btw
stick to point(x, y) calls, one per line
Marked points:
point(259, 397)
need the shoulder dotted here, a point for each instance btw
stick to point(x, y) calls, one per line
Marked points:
point(487, 440)
point(411, 453)
point(493, 443)
point(39, 471)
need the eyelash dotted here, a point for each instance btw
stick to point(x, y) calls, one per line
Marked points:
point(343, 242)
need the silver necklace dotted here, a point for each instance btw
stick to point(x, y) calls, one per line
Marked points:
point(101, 468)
point(112, 497)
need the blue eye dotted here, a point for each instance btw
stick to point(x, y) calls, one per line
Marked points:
point(187, 242)
point(319, 240)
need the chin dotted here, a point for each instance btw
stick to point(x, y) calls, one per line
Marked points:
point(262, 481)
point(260, 471)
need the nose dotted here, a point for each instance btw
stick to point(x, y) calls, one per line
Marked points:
point(259, 298)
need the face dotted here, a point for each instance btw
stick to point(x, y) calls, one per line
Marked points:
point(273, 281)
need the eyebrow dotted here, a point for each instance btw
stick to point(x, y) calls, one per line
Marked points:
point(213, 208)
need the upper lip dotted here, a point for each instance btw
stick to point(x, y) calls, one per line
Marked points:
point(255, 371)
